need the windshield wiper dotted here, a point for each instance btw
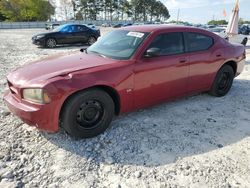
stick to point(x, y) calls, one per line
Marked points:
point(98, 53)
point(84, 50)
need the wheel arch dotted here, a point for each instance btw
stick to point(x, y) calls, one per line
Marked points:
point(233, 64)
point(111, 92)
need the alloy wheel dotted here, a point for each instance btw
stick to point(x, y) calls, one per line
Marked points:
point(51, 43)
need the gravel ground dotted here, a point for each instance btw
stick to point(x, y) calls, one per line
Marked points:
point(197, 141)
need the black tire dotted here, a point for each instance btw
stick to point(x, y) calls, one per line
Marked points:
point(91, 40)
point(223, 81)
point(244, 42)
point(87, 114)
point(51, 43)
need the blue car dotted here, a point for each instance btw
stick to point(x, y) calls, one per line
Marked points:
point(67, 34)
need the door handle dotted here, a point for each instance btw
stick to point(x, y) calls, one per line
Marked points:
point(218, 55)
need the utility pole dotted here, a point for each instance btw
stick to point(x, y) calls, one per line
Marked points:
point(74, 8)
point(178, 16)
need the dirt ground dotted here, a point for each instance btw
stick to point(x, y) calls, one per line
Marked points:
point(197, 141)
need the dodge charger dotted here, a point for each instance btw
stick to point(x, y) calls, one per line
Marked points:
point(125, 70)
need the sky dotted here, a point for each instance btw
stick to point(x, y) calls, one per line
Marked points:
point(201, 11)
point(196, 11)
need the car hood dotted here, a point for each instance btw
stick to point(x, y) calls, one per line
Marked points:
point(42, 70)
point(46, 33)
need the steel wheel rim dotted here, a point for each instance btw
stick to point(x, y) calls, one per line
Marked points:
point(89, 114)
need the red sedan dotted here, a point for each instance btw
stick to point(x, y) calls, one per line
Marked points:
point(128, 69)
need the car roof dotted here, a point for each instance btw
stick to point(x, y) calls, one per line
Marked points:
point(152, 28)
point(68, 24)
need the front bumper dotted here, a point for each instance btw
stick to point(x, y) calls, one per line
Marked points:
point(43, 116)
point(39, 42)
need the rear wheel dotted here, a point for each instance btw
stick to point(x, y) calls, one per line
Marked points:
point(87, 114)
point(223, 81)
point(51, 43)
point(244, 42)
point(91, 40)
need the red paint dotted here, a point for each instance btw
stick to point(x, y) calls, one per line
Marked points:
point(139, 81)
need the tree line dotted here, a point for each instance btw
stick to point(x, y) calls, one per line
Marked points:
point(136, 10)
point(42, 10)
point(25, 10)
point(224, 22)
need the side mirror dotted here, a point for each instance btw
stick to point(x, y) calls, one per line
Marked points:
point(152, 52)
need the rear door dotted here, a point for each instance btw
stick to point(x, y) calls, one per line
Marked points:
point(204, 58)
point(164, 76)
point(80, 34)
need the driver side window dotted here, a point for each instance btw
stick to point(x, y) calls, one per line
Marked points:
point(168, 44)
point(81, 28)
point(69, 29)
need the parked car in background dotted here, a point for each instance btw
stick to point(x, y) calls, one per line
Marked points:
point(106, 25)
point(244, 29)
point(217, 30)
point(67, 34)
point(127, 24)
point(91, 25)
point(148, 23)
point(127, 69)
point(118, 25)
point(138, 23)
point(50, 26)
point(238, 39)
point(211, 26)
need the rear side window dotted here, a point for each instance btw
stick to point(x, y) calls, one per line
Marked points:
point(198, 42)
point(81, 28)
point(169, 43)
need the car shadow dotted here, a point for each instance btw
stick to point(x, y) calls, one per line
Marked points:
point(165, 133)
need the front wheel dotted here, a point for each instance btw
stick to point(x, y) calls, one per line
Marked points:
point(87, 114)
point(223, 81)
point(51, 43)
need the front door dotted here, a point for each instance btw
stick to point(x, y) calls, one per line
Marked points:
point(163, 76)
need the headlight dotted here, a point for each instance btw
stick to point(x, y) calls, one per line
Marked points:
point(39, 36)
point(36, 95)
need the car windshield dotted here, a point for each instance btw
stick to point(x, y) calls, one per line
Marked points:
point(120, 44)
point(60, 28)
